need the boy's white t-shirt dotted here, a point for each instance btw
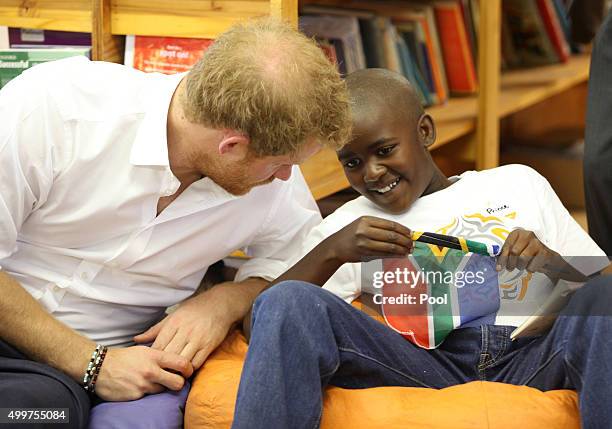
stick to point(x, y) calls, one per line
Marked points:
point(484, 206)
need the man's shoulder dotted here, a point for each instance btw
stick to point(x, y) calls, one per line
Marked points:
point(82, 88)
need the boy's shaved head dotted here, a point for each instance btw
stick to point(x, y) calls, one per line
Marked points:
point(387, 159)
point(372, 91)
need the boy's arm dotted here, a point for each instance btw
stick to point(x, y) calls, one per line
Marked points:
point(364, 238)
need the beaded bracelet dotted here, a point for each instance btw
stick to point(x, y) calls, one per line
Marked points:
point(93, 368)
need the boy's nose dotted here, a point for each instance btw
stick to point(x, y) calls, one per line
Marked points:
point(373, 172)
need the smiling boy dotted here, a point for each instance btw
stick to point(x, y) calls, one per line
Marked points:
point(304, 338)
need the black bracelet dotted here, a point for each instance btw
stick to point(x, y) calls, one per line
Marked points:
point(93, 368)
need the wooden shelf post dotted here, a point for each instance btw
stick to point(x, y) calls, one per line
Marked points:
point(489, 62)
point(286, 10)
point(104, 46)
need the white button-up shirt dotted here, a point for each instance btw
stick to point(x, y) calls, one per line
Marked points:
point(83, 163)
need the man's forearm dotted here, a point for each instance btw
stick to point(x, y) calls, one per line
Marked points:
point(28, 327)
point(239, 296)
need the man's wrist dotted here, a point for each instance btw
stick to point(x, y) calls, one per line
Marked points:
point(232, 300)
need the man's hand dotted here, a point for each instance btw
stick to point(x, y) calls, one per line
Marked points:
point(370, 236)
point(192, 331)
point(130, 373)
point(202, 322)
point(524, 251)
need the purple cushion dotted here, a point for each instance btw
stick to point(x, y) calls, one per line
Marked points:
point(163, 410)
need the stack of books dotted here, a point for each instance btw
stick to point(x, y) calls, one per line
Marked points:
point(435, 44)
point(21, 49)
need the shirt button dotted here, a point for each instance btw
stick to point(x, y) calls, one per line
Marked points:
point(84, 276)
point(56, 288)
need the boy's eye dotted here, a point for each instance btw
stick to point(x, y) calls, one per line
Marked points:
point(385, 150)
point(351, 163)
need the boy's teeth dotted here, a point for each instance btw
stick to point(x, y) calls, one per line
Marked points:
point(388, 187)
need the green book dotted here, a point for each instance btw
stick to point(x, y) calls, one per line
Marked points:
point(14, 61)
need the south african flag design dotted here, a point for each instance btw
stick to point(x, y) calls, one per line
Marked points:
point(449, 289)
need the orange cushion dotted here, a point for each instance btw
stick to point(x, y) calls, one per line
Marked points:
point(472, 405)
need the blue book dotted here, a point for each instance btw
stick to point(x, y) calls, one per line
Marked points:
point(412, 73)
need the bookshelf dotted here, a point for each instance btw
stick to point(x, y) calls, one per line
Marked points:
point(468, 127)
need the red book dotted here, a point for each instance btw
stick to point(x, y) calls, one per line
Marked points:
point(164, 54)
point(458, 59)
point(553, 28)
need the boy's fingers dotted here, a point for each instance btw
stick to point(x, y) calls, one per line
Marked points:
point(527, 255)
point(517, 249)
point(502, 259)
point(389, 225)
point(389, 236)
point(383, 248)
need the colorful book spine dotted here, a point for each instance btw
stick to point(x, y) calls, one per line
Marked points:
point(553, 27)
point(458, 60)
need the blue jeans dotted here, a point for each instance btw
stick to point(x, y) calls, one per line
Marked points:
point(304, 338)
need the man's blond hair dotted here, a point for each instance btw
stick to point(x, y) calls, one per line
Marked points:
point(271, 83)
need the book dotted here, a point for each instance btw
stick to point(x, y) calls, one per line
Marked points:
point(553, 27)
point(432, 37)
point(411, 71)
point(31, 38)
point(470, 26)
point(414, 37)
point(166, 55)
point(528, 34)
point(344, 29)
point(14, 61)
point(370, 30)
point(458, 59)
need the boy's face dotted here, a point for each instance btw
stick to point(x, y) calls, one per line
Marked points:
point(386, 162)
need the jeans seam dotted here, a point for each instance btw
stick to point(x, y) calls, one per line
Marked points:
point(544, 365)
point(343, 349)
point(501, 351)
point(484, 351)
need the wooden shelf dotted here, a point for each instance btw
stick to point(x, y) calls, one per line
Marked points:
point(64, 15)
point(182, 18)
point(524, 88)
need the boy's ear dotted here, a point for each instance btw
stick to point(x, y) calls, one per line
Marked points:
point(233, 144)
point(426, 130)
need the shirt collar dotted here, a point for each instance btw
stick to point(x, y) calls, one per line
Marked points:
point(151, 143)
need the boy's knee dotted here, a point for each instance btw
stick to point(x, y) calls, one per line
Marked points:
point(289, 297)
point(286, 293)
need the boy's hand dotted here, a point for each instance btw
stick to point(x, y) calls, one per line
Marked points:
point(370, 236)
point(524, 251)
